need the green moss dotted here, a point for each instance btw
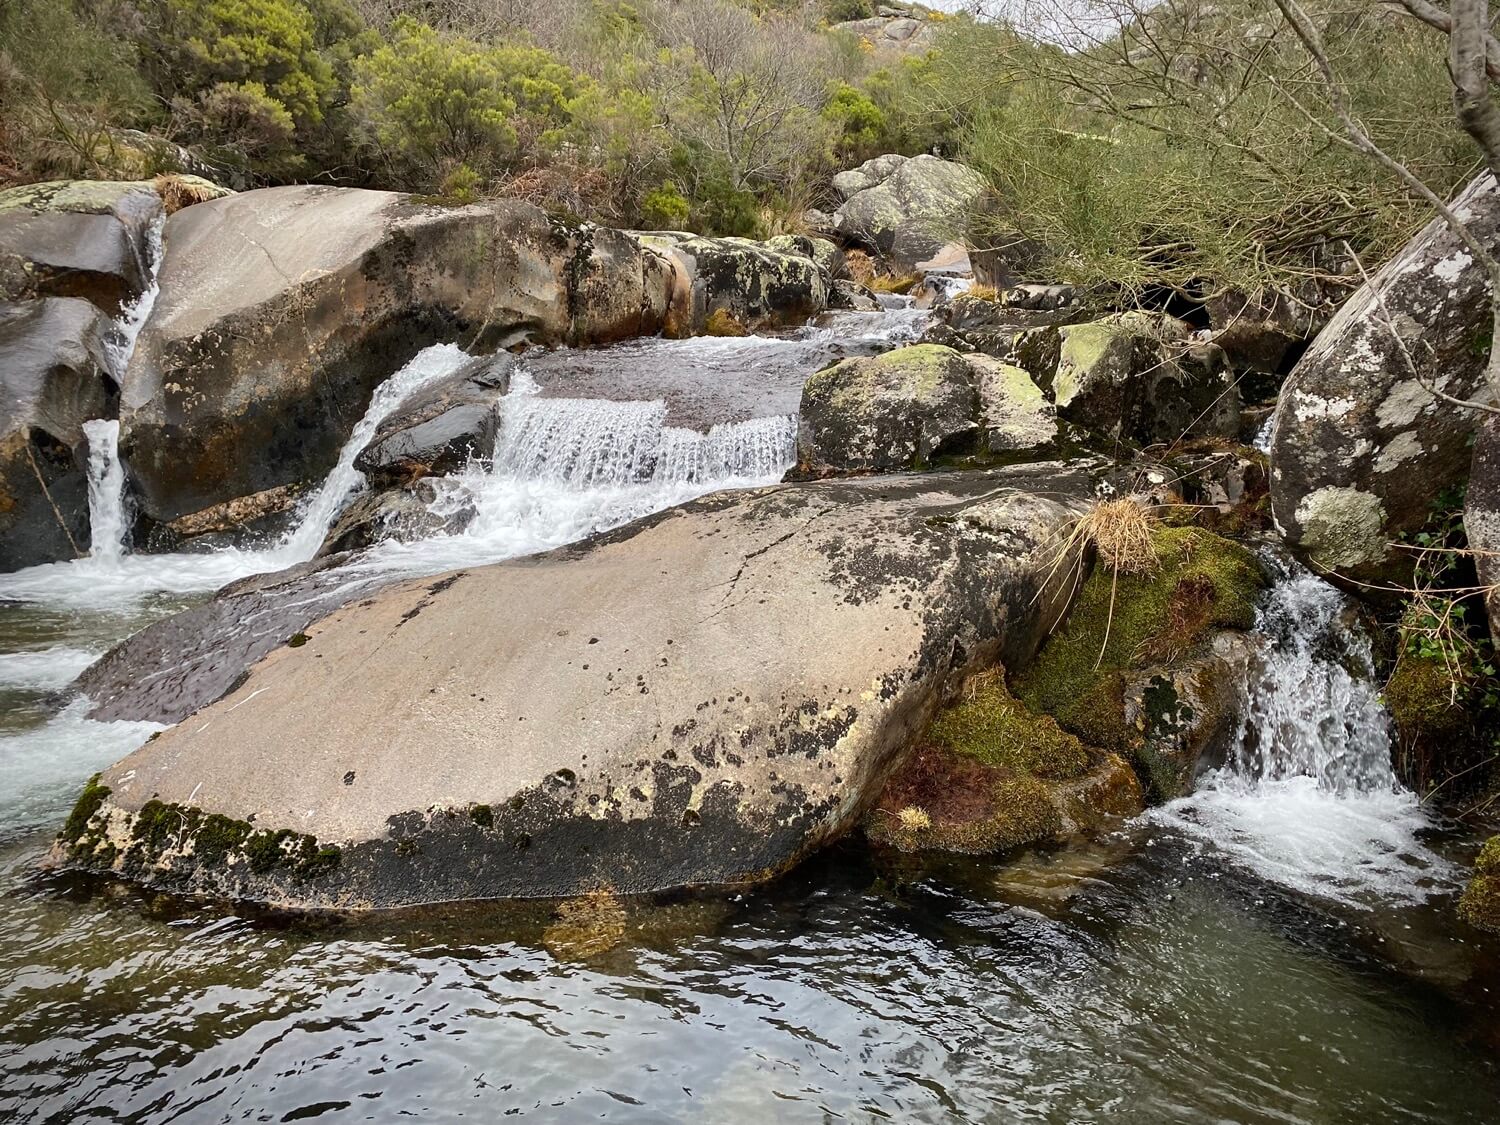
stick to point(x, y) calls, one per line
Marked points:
point(993, 727)
point(1419, 697)
point(212, 840)
point(297, 640)
point(1480, 904)
point(722, 322)
point(89, 802)
point(482, 815)
point(1203, 583)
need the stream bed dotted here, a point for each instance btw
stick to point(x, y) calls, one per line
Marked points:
point(1277, 947)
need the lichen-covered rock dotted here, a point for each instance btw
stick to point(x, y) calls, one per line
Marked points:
point(757, 285)
point(54, 377)
point(1480, 904)
point(911, 209)
point(1139, 377)
point(825, 252)
point(1482, 515)
point(467, 736)
point(1361, 448)
point(78, 238)
point(280, 310)
point(1185, 712)
point(893, 35)
point(902, 409)
point(1128, 631)
point(989, 775)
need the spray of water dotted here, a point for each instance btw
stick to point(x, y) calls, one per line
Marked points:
point(1308, 798)
point(108, 522)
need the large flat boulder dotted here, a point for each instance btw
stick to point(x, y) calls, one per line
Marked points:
point(700, 698)
point(54, 377)
point(1361, 447)
point(78, 238)
point(910, 209)
point(280, 311)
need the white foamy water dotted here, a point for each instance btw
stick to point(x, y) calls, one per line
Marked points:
point(1263, 436)
point(108, 523)
point(40, 769)
point(44, 669)
point(566, 468)
point(119, 344)
point(1308, 798)
point(112, 579)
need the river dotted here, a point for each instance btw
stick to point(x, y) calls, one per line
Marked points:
point(1276, 947)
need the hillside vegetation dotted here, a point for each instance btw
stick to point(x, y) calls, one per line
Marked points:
point(1185, 147)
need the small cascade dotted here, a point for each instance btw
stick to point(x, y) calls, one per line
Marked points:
point(1308, 798)
point(109, 526)
point(597, 442)
point(119, 344)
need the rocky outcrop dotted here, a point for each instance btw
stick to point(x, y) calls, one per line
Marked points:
point(78, 238)
point(280, 311)
point(825, 252)
point(869, 601)
point(54, 377)
point(905, 210)
point(902, 409)
point(753, 284)
point(895, 34)
point(1482, 515)
point(1361, 446)
point(440, 429)
point(1140, 377)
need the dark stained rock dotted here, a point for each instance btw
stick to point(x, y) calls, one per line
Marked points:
point(1482, 515)
point(280, 311)
point(78, 238)
point(754, 283)
point(586, 719)
point(439, 430)
point(1361, 448)
point(53, 378)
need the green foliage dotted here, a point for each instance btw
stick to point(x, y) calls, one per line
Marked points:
point(429, 102)
point(843, 11)
point(665, 208)
point(860, 123)
point(270, 44)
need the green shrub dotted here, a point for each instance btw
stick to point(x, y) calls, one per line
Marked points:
point(665, 208)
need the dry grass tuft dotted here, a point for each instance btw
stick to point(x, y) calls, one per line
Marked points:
point(178, 192)
point(1120, 531)
point(914, 819)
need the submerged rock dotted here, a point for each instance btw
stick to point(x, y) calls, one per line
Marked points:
point(909, 209)
point(902, 409)
point(280, 311)
point(468, 736)
point(78, 238)
point(1362, 448)
point(54, 377)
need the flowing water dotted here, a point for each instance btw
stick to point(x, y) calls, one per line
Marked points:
point(1274, 948)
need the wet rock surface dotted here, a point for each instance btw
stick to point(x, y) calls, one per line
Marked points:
point(755, 284)
point(280, 310)
point(78, 238)
point(54, 376)
point(1362, 448)
point(731, 761)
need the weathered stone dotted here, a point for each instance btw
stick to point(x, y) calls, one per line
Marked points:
point(439, 430)
point(404, 515)
point(507, 684)
point(852, 295)
point(78, 238)
point(54, 376)
point(756, 285)
point(1482, 515)
point(280, 311)
point(239, 514)
point(1362, 448)
point(912, 210)
point(1185, 714)
point(894, 35)
point(825, 252)
point(1016, 416)
point(1138, 377)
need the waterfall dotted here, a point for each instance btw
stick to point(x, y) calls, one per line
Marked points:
point(1308, 798)
point(108, 525)
point(119, 343)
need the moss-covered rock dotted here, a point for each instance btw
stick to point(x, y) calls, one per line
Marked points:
point(1124, 625)
point(1480, 904)
point(990, 776)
